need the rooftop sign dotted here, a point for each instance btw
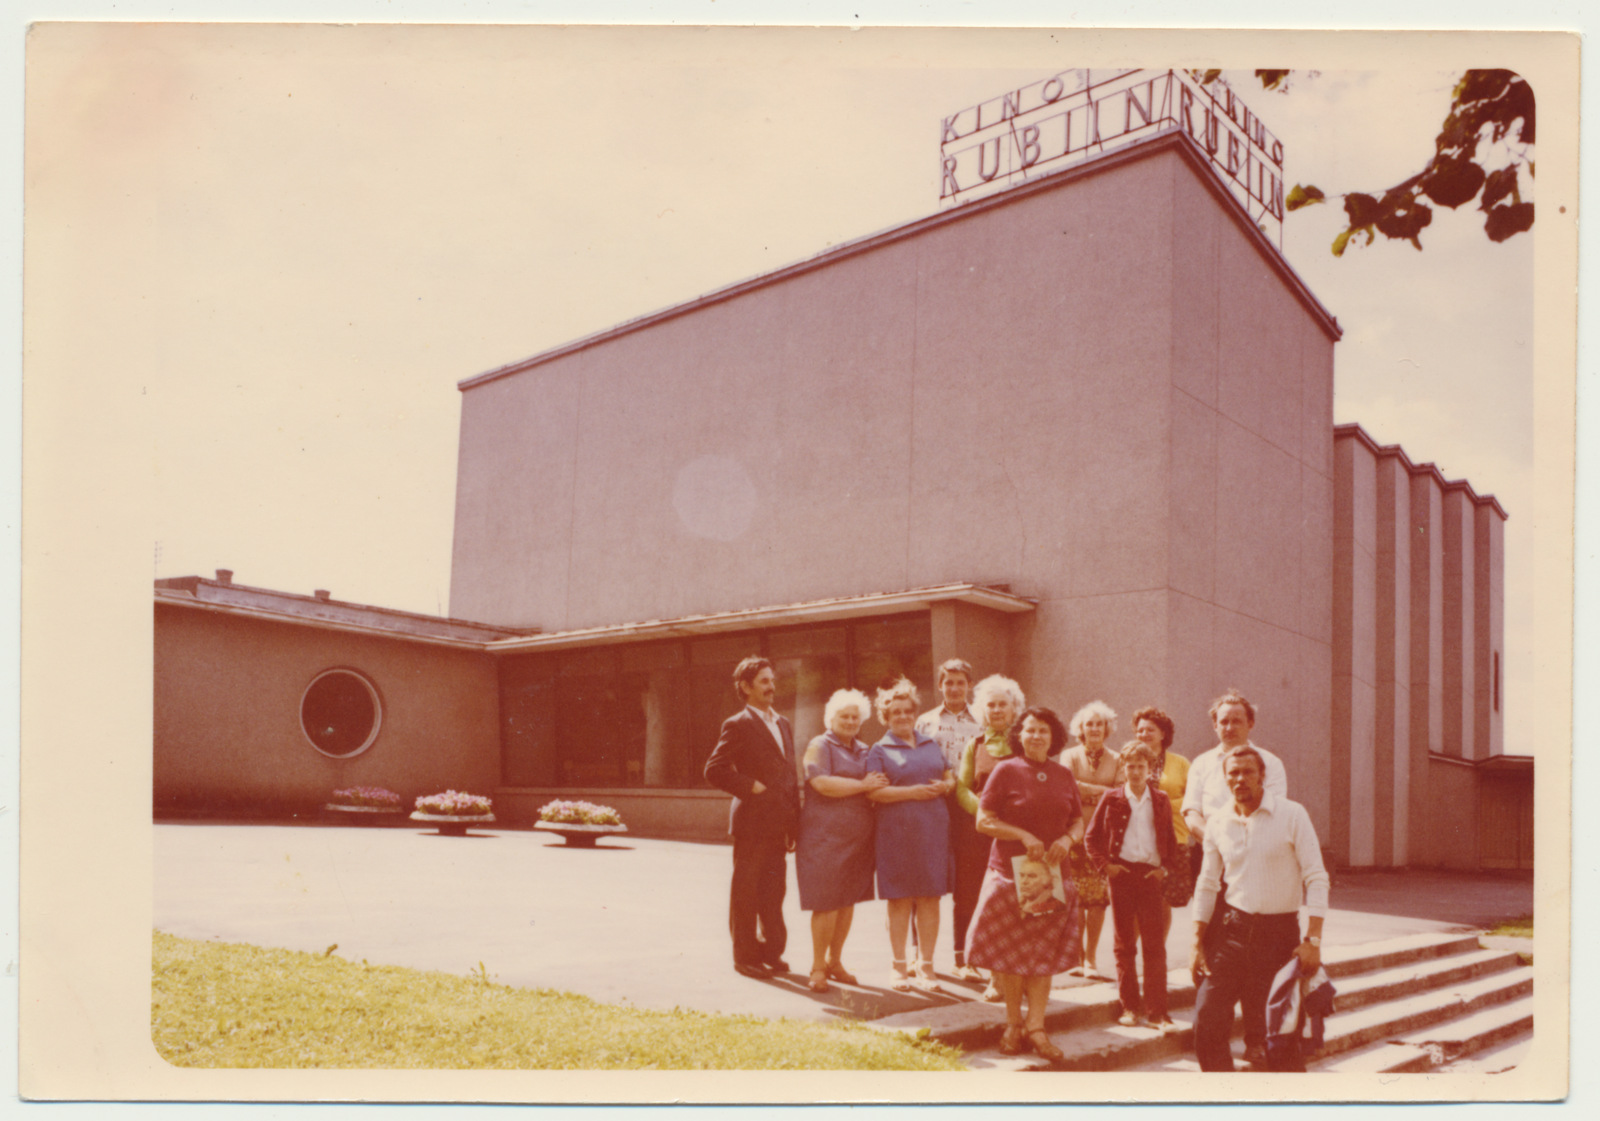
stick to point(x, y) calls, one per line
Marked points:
point(1075, 115)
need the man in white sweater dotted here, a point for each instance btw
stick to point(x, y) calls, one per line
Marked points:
point(1267, 849)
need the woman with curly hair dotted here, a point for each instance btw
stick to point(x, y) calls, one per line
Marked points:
point(913, 834)
point(1097, 769)
point(1030, 808)
point(833, 860)
point(997, 700)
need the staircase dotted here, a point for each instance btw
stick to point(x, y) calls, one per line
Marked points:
point(1416, 1003)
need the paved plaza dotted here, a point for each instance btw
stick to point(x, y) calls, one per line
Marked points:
point(635, 921)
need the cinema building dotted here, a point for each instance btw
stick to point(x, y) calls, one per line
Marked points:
point(1078, 430)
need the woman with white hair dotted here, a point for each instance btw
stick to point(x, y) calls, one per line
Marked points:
point(997, 700)
point(913, 835)
point(1097, 769)
point(833, 859)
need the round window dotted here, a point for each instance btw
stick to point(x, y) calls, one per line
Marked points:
point(340, 713)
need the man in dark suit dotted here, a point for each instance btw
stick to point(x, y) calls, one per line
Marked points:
point(754, 761)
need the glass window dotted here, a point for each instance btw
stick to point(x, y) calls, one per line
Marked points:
point(528, 689)
point(340, 713)
point(810, 663)
point(606, 717)
point(648, 714)
point(891, 648)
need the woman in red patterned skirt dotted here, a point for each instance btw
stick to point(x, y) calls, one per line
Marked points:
point(1030, 807)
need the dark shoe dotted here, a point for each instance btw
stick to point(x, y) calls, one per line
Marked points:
point(1011, 1041)
point(1042, 1046)
point(778, 965)
point(842, 975)
point(758, 970)
point(1256, 1055)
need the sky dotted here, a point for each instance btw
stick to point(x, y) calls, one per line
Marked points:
point(295, 241)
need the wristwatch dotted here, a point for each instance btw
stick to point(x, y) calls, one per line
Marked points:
point(1315, 940)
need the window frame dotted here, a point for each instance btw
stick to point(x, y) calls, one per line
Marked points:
point(372, 694)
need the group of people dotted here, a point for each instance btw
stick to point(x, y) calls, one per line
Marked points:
point(981, 798)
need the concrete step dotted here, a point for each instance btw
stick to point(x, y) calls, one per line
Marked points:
point(976, 1026)
point(1381, 985)
point(1416, 1020)
point(1347, 1031)
point(1492, 1028)
point(1493, 1060)
point(1365, 957)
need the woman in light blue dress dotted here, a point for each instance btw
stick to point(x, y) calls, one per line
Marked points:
point(913, 835)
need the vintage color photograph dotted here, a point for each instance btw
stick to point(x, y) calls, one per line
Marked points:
point(794, 550)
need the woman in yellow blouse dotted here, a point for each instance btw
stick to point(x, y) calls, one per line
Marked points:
point(996, 700)
point(1154, 729)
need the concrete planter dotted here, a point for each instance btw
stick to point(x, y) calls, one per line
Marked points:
point(579, 836)
point(364, 814)
point(453, 825)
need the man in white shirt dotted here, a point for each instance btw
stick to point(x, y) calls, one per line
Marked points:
point(1267, 849)
point(1207, 793)
point(953, 724)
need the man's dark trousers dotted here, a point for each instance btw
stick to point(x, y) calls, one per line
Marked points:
point(760, 879)
point(1245, 954)
point(763, 826)
point(1136, 915)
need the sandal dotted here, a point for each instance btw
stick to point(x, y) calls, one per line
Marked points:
point(902, 979)
point(842, 975)
point(1011, 1043)
point(927, 980)
point(1042, 1046)
point(819, 981)
point(992, 994)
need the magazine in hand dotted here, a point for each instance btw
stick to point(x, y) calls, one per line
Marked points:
point(1039, 889)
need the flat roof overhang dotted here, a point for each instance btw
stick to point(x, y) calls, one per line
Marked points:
point(1507, 764)
point(814, 611)
point(168, 598)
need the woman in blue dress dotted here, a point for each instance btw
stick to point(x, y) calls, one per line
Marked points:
point(913, 842)
point(833, 859)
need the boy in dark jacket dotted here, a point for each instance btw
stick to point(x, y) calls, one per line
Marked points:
point(1131, 837)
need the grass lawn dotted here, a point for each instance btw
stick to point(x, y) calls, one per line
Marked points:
point(216, 1004)
point(1521, 927)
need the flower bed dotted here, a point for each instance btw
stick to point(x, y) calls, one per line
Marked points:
point(578, 813)
point(454, 803)
point(366, 797)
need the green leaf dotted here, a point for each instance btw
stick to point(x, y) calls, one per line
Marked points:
point(1340, 242)
point(1304, 196)
point(1362, 210)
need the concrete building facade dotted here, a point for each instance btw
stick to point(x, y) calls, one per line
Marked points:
point(1419, 647)
point(1105, 391)
point(1079, 432)
point(267, 702)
